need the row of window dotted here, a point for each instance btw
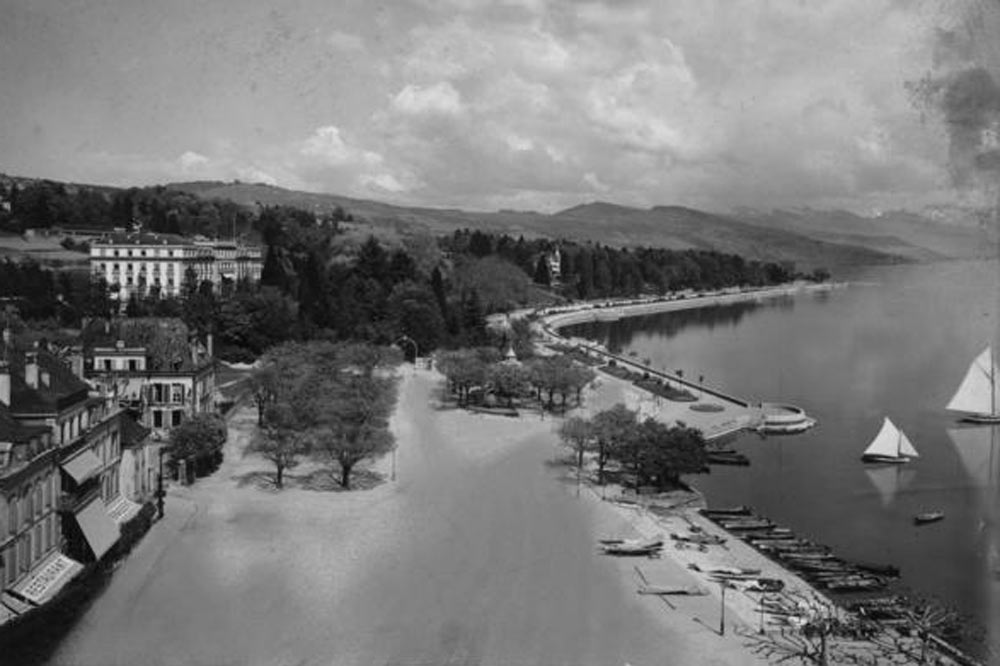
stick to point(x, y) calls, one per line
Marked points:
point(28, 549)
point(25, 507)
point(110, 252)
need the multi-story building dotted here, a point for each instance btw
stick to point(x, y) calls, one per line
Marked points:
point(59, 475)
point(139, 262)
point(156, 368)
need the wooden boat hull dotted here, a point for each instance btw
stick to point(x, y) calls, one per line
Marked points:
point(981, 418)
point(927, 518)
point(883, 460)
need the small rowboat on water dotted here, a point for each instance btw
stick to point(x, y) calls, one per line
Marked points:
point(928, 517)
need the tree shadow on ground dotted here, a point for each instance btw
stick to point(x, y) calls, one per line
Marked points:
point(320, 480)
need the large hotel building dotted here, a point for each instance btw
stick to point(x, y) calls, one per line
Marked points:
point(134, 263)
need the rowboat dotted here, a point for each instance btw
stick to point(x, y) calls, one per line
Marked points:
point(928, 517)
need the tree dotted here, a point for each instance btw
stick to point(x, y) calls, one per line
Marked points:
point(281, 440)
point(463, 369)
point(577, 433)
point(611, 428)
point(662, 454)
point(199, 439)
point(349, 413)
point(542, 275)
point(507, 381)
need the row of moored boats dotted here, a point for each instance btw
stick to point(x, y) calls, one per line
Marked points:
point(814, 562)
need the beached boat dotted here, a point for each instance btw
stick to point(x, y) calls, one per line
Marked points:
point(664, 590)
point(977, 396)
point(633, 547)
point(928, 517)
point(732, 511)
point(881, 569)
point(889, 446)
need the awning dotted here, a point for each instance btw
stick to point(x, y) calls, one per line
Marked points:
point(48, 578)
point(13, 604)
point(122, 509)
point(83, 466)
point(97, 526)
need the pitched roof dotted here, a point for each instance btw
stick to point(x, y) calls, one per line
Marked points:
point(63, 388)
point(132, 432)
point(141, 238)
point(166, 340)
point(10, 430)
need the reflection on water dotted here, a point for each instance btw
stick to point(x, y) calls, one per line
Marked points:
point(896, 345)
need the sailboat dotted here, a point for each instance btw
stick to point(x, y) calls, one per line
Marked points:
point(977, 396)
point(889, 446)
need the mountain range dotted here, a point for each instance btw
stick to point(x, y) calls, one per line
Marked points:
point(811, 238)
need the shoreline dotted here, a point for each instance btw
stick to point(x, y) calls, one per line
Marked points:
point(728, 414)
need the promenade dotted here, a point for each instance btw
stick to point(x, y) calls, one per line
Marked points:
point(477, 553)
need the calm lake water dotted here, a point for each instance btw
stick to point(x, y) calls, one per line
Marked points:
point(896, 343)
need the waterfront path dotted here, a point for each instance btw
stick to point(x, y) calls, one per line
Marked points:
point(478, 553)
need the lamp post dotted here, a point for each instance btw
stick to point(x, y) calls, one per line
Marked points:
point(722, 609)
point(159, 488)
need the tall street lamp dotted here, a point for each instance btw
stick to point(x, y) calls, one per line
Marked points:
point(159, 488)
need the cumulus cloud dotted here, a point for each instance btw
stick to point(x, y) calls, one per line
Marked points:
point(438, 98)
point(191, 161)
point(327, 145)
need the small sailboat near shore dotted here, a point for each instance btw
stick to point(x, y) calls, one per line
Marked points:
point(977, 396)
point(890, 446)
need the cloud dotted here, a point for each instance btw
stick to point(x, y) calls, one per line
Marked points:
point(327, 145)
point(438, 98)
point(192, 161)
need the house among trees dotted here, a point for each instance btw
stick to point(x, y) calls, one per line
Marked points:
point(143, 263)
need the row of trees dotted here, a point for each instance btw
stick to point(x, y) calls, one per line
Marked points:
point(43, 204)
point(475, 374)
point(328, 401)
point(650, 452)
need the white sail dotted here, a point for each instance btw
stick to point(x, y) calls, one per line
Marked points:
point(886, 442)
point(978, 394)
point(890, 442)
point(905, 447)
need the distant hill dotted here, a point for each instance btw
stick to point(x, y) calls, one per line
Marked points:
point(601, 222)
point(920, 237)
point(811, 238)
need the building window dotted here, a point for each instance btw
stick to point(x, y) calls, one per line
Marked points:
point(11, 560)
point(39, 501)
point(133, 364)
point(157, 418)
point(177, 393)
point(12, 516)
point(38, 540)
point(107, 364)
point(48, 532)
point(177, 417)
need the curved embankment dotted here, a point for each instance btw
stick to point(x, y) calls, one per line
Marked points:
point(764, 417)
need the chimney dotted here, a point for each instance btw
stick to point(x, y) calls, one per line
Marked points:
point(31, 368)
point(76, 361)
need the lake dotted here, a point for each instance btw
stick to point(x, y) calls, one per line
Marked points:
point(895, 343)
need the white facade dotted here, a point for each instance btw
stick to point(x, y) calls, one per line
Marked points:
point(137, 263)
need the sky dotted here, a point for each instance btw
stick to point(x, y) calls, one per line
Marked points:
point(489, 104)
